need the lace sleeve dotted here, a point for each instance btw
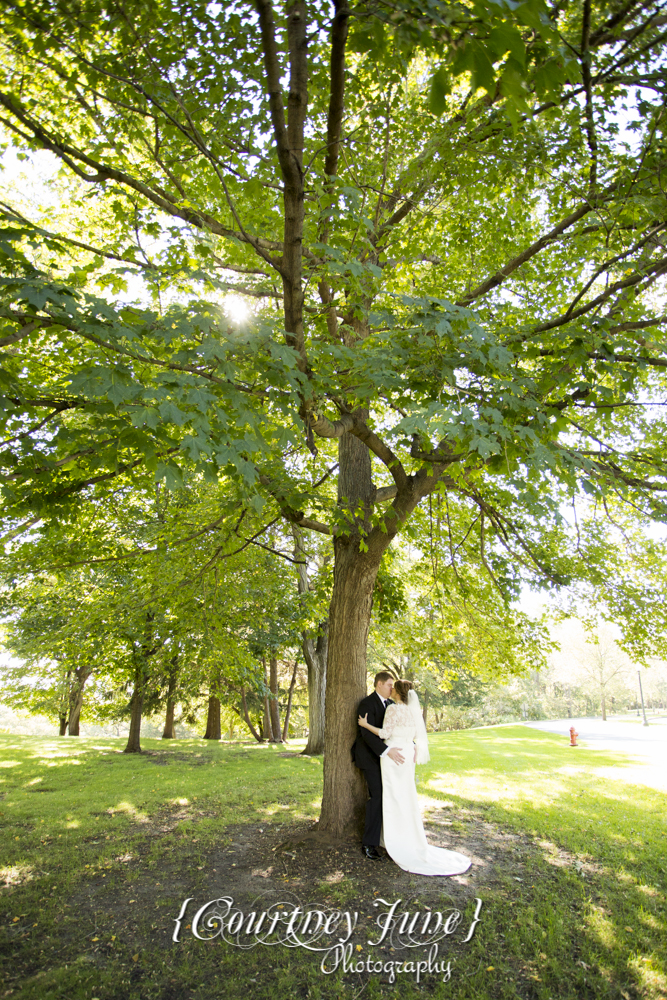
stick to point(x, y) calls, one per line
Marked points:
point(390, 722)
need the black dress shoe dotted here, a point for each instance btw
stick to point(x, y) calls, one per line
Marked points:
point(369, 851)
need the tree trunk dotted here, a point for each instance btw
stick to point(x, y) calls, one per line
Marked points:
point(315, 655)
point(267, 730)
point(425, 710)
point(274, 704)
point(288, 710)
point(134, 737)
point(75, 713)
point(81, 675)
point(246, 716)
point(213, 731)
point(140, 679)
point(169, 731)
point(345, 792)
point(603, 702)
point(63, 724)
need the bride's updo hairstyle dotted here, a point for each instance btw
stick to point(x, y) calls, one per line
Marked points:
point(401, 688)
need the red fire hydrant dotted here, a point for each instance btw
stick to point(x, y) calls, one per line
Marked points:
point(573, 737)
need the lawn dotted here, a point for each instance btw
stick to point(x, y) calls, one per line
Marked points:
point(100, 850)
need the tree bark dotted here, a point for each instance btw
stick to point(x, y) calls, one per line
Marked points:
point(246, 716)
point(315, 650)
point(358, 550)
point(81, 675)
point(169, 732)
point(315, 654)
point(140, 678)
point(274, 704)
point(63, 724)
point(267, 729)
point(136, 705)
point(288, 710)
point(75, 713)
point(213, 731)
point(425, 709)
point(345, 792)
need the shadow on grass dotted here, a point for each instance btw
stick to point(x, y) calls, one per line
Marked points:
point(571, 869)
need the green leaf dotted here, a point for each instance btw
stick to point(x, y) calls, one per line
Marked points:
point(440, 88)
point(506, 38)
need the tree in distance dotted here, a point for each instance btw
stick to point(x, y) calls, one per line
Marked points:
point(455, 250)
point(173, 615)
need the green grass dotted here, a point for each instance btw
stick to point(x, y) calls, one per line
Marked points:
point(591, 907)
point(99, 848)
point(74, 789)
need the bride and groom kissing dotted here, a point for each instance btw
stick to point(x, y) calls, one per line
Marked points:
point(391, 739)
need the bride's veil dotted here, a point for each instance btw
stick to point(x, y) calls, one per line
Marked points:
point(421, 739)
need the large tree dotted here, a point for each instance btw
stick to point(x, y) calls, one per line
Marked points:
point(451, 217)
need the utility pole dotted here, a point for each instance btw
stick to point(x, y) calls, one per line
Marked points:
point(641, 694)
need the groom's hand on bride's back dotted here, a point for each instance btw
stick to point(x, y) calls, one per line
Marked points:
point(396, 755)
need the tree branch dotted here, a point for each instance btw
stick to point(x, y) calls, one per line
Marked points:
point(158, 196)
point(273, 74)
point(384, 493)
point(496, 279)
point(290, 513)
point(36, 427)
point(146, 265)
point(591, 137)
point(656, 269)
point(339, 30)
point(609, 263)
point(20, 334)
point(15, 532)
point(68, 324)
point(381, 451)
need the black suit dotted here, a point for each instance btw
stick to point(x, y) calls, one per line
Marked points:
point(366, 752)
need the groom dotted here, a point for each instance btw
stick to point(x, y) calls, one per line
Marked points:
point(366, 753)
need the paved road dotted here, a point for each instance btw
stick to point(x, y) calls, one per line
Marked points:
point(629, 737)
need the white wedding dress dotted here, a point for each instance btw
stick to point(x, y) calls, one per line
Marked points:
point(402, 827)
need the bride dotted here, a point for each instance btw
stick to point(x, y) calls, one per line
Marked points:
point(402, 827)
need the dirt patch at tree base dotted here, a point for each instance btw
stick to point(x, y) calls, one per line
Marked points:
point(126, 920)
point(266, 862)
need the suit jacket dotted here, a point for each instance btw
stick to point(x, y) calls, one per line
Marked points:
point(368, 747)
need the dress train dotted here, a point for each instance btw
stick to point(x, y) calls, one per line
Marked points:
point(402, 826)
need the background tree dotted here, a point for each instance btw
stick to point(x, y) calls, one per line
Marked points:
point(176, 612)
point(601, 667)
point(315, 641)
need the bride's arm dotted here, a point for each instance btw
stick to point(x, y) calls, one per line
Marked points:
point(390, 721)
point(365, 724)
